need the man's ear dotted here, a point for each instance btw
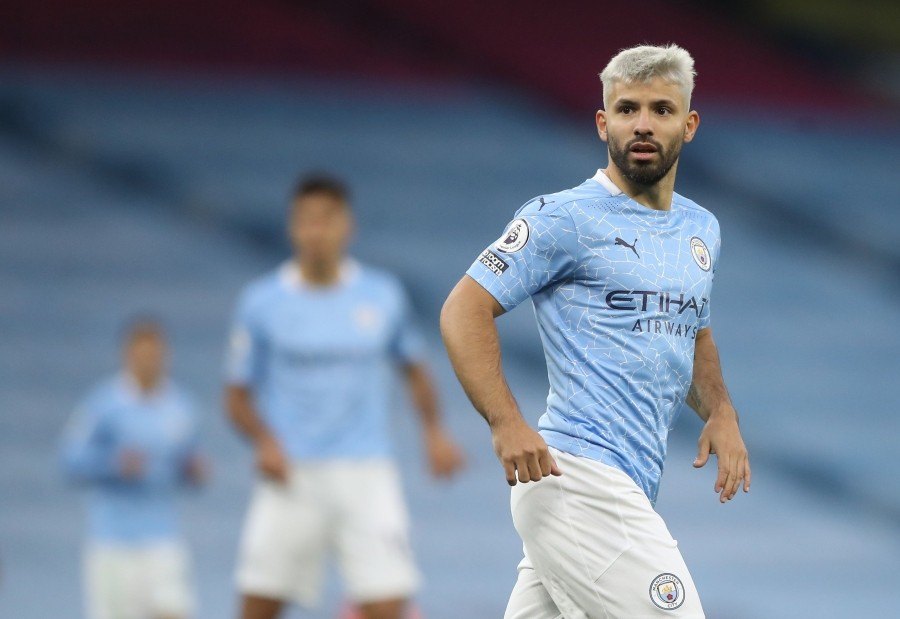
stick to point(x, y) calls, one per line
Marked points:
point(601, 124)
point(690, 126)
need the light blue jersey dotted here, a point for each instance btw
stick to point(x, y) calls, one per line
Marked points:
point(321, 361)
point(620, 292)
point(115, 417)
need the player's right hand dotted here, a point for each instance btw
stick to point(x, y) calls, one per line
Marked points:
point(271, 461)
point(131, 464)
point(196, 470)
point(522, 452)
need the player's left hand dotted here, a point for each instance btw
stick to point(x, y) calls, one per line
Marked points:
point(132, 464)
point(444, 456)
point(722, 436)
point(196, 470)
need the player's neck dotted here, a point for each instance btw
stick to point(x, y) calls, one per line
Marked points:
point(146, 383)
point(657, 196)
point(319, 273)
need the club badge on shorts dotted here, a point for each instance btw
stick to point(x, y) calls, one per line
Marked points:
point(667, 592)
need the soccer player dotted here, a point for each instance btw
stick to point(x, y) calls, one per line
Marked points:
point(620, 271)
point(133, 440)
point(314, 351)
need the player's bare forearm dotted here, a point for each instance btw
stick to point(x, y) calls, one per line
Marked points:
point(708, 395)
point(445, 457)
point(271, 461)
point(243, 414)
point(473, 345)
point(423, 395)
point(721, 435)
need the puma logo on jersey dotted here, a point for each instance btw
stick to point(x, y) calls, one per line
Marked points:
point(623, 243)
point(545, 203)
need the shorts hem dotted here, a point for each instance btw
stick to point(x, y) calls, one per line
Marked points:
point(277, 593)
point(373, 598)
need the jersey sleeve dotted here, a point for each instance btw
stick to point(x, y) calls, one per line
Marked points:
point(190, 454)
point(192, 424)
point(705, 317)
point(535, 250)
point(407, 344)
point(87, 450)
point(246, 343)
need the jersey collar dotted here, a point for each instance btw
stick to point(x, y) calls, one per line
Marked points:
point(603, 179)
point(133, 391)
point(291, 277)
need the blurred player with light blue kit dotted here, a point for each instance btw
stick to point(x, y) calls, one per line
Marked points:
point(134, 442)
point(315, 349)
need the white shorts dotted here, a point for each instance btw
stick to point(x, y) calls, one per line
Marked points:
point(595, 549)
point(354, 509)
point(137, 581)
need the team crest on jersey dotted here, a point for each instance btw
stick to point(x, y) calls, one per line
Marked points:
point(700, 253)
point(366, 317)
point(514, 238)
point(667, 592)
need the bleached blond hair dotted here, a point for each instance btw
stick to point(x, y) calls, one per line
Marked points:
point(644, 62)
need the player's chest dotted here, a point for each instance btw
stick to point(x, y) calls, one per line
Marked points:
point(633, 258)
point(359, 324)
point(157, 428)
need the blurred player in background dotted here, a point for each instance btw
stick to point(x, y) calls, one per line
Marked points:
point(620, 271)
point(314, 348)
point(133, 440)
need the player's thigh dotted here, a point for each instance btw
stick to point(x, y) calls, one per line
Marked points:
point(113, 585)
point(645, 583)
point(284, 541)
point(649, 579)
point(167, 573)
point(529, 599)
point(255, 607)
point(373, 543)
point(589, 533)
point(572, 530)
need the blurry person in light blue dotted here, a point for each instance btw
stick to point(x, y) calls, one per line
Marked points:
point(133, 442)
point(316, 347)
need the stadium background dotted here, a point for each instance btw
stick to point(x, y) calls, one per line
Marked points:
point(146, 150)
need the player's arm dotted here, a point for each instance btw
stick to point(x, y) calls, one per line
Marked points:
point(83, 455)
point(473, 345)
point(443, 454)
point(270, 459)
point(195, 468)
point(721, 435)
point(88, 455)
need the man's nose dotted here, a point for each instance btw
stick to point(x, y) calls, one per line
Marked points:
point(642, 125)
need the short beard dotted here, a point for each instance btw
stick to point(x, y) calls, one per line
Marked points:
point(644, 173)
